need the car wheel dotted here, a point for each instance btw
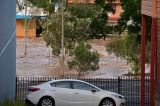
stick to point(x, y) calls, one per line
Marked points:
point(46, 101)
point(108, 102)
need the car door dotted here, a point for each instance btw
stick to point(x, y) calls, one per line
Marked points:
point(83, 95)
point(62, 93)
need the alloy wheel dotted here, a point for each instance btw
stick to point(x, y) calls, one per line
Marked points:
point(107, 102)
point(47, 102)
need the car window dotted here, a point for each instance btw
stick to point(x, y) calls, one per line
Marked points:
point(61, 84)
point(83, 86)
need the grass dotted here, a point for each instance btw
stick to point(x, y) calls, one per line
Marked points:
point(12, 103)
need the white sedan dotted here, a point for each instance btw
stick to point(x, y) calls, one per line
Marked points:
point(69, 92)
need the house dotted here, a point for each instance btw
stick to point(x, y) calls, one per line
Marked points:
point(31, 26)
point(7, 49)
point(32, 14)
point(151, 8)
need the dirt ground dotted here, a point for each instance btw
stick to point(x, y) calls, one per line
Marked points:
point(39, 62)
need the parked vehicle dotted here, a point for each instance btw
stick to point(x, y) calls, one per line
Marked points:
point(70, 92)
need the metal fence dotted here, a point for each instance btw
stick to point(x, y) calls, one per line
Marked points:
point(128, 86)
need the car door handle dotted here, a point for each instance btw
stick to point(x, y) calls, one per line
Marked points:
point(76, 93)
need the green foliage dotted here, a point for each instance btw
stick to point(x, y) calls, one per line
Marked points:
point(40, 3)
point(83, 59)
point(131, 22)
point(132, 13)
point(129, 47)
point(131, 18)
point(81, 23)
point(99, 26)
point(75, 30)
point(97, 13)
point(12, 103)
point(83, 10)
point(116, 47)
point(132, 46)
point(47, 5)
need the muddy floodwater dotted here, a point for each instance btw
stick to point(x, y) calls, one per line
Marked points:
point(40, 62)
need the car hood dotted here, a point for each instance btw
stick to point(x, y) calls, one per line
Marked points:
point(104, 93)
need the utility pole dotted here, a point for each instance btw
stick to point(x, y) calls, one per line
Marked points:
point(25, 29)
point(62, 41)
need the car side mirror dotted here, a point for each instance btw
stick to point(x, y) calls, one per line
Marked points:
point(93, 90)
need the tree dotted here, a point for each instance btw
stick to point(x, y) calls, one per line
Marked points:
point(48, 5)
point(83, 10)
point(128, 46)
point(98, 13)
point(116, 46)
point(23, 7)
point(131, 18)
point(75, 30)
point(129, 26)
point(83, 58)
point(99, 26)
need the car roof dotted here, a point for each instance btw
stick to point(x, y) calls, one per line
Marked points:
point(66, 80)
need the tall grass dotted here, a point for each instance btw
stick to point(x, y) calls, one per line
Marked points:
point(12, 103)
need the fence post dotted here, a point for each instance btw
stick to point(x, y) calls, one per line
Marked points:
point(119, 79)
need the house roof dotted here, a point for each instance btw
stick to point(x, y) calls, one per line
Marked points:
point(22, 17)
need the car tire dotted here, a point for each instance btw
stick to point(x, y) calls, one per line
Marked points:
point(46, 101)
point(107, 102)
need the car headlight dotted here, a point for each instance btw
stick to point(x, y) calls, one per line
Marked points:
point(118, 96)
